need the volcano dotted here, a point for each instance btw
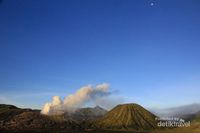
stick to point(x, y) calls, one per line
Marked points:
point(127, 117)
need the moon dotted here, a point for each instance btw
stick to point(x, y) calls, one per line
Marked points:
point(152, 4)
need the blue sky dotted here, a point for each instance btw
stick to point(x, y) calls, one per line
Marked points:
point(150, 54)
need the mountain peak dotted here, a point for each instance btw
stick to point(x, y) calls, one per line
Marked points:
point(128, 116)
point(97, 106)
point(128, 105)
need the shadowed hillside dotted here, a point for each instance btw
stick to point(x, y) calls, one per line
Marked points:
point(13, 119)
point(9, 111)
point(197, 117)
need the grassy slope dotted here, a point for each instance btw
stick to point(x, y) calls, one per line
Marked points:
point(128, 117)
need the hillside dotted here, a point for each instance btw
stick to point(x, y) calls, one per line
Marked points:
point(196, 118)
point(88, 113)
point(9, 111)
point(127, 117)
point(13, 119)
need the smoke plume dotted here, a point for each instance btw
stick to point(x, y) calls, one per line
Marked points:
point(78, 99)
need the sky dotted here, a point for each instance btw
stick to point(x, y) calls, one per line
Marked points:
point(147, 50)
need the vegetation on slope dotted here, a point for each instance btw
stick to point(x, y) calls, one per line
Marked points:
point(127, 117)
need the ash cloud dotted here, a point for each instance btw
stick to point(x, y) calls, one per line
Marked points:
point(77, 100)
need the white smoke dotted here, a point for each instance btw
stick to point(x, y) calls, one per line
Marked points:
point(54, 106)
point(78, 99)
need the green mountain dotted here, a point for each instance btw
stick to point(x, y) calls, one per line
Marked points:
point(127, 117)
